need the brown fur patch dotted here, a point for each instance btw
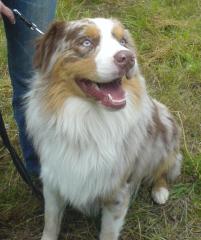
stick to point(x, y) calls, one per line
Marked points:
point(160, 182)
point(134, 86)
point(118, 31)
point(73, 33)
point(88, 30)
point(165, 166)
point(46, 45)
point(62, 83)
point(92, 32)
point(160, 175)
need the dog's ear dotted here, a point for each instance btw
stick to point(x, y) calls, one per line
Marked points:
point(46, 45)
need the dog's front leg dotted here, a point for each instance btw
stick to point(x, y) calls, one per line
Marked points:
point(113, 214)
point(54, 208)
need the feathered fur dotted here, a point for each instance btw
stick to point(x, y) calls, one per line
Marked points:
point(91, 154)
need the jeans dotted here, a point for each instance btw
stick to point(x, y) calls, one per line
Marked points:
point(20, 44)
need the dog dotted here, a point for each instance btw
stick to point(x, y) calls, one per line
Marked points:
point(96, 130)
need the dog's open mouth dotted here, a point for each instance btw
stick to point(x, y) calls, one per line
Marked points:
point(110, 94)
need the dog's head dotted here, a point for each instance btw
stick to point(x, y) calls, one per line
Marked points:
point(91, 58)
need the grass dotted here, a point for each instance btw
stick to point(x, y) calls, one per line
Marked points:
point(168, 38)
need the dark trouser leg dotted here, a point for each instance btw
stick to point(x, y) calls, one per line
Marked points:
point(20, 41)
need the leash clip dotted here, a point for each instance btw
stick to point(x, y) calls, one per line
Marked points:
point(28, 23)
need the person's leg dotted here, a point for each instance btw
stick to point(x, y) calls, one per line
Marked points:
point(20, 40)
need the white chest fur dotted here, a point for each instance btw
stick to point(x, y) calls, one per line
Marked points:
point(82, 150)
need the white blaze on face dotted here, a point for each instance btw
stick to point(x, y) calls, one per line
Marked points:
point(108, 47)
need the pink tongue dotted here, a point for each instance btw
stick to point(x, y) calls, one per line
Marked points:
point(112, 88)
point(114, 95)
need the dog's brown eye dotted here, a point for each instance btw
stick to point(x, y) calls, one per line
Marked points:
point(86, 43)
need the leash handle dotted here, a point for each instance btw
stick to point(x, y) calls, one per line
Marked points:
point(28, 23)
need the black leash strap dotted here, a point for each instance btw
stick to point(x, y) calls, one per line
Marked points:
point(17, 161)
point(28, 23)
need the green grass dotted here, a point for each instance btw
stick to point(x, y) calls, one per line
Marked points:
point(168, 38)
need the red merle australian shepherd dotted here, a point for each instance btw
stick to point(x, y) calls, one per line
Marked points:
point(95, 128)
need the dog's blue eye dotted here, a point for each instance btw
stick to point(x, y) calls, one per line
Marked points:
point(123, 42)
point(87, 43)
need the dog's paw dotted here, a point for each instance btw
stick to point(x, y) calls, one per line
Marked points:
point(160, 196)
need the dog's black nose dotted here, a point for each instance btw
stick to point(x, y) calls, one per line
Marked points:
point(124, 59)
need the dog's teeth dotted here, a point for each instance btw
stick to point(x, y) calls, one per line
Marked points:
point(110, 97)
point(96, 86)
point(115, 101)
